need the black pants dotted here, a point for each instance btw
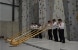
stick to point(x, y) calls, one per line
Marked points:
point(36, 35)
point(55, 34)
point(40, 36)
point(33, 31)
point(50, 34)
point(61, 35)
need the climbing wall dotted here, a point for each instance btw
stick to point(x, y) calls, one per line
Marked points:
point(42, 11)
point(29, 13)
point(73, 20)
point(25, 14)
point(71, 11)
point(50, 8)
point(37, 11)
point(45, 12)
point(58, 12)
point(77, 10)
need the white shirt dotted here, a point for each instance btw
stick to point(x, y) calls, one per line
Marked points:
point(54, 26)
point(35, 26)
point(40, 27)
point(61, 25)
point(49, 26)
point(32, 27)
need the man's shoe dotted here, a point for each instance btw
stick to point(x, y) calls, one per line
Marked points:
point(63, 42)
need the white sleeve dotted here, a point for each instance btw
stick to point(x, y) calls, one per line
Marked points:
point(62, 26)
point(31, 27)
point(55, 24)
point(40, 27)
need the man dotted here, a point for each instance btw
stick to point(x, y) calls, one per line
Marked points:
point(50, 30)
point(61, 30)
point(40, 35)
point(36, 29)
point(54, 28)
point(31, 27)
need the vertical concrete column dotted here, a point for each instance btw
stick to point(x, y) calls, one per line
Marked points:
point(0, 28)
point(29, 14)
point(31, 11)
point(35, 7)
point(45, 10)
point(20, 16)
point(25, 14)
point(42, 12)
point(50, 8)
point(77, 10)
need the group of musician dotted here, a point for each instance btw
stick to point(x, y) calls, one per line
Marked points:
point(55, 30)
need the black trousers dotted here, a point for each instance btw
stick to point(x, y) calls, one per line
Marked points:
point(55, 34)
point(50, 34)
point(40, 36)
point(36, 35)
point(61, 35)
point(33, 31)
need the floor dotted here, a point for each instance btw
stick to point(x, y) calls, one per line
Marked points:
point(6, 46)
point(52, 45)
point(38, 44)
